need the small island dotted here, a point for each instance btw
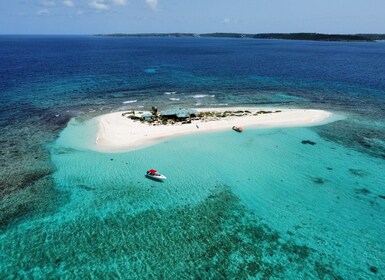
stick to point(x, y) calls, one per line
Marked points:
point(129, 130)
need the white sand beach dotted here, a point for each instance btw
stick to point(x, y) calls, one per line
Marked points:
point(120, 133)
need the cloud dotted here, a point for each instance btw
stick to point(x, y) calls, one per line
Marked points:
point(105, 4)
point(152, 4)
point(226, 20)
point(119, 2)
point(69, 3)
point(98, 5)
point(229, 21)
point(43, 12)
point(47, 3)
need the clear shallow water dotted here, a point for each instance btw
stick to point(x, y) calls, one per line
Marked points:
point(257, 204)
point(270, 202)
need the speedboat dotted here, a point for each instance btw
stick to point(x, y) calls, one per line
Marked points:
point(154, 175)
point(237, 128)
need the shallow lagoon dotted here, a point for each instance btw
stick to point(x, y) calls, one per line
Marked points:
point(259, 204)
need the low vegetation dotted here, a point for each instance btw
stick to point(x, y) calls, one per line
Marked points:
point(158, 119)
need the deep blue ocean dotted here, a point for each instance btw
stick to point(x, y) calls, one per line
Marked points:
point(269, 207)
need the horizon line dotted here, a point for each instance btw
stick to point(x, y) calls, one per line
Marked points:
point(201, 33)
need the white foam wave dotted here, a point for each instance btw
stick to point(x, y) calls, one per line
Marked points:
point(129, 101)
point(174, 99)
point(170, 92)
point(202, 95)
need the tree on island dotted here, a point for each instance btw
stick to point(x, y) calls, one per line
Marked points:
point(154, 112)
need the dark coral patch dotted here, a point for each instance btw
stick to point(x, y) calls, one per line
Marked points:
point(216, 239)
point(358, 172)
point(362, 191)
point(308, 142)
point(373, 269)
point(318, 180)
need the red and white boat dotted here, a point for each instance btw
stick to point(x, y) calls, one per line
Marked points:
point(153, 174)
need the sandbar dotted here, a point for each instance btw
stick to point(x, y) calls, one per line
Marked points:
point(117, 133)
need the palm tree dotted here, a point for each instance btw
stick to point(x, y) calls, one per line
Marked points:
point(154, 112)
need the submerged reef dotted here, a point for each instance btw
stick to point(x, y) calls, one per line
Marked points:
point(369, 140)
point(26, 185)
point(216, 239)
point(39, 199)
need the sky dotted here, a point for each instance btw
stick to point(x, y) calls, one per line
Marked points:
point(192, 16)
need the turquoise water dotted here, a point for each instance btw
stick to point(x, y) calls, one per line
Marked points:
point(255, 205)
point(259, 204)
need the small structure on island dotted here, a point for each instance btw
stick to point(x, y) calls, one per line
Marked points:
point(147, 117)
point(179, 114)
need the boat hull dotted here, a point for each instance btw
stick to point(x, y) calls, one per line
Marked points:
point(237, 129)
point(158, 177)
